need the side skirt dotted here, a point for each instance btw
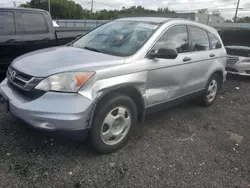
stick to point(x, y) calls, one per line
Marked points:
point(170, 104)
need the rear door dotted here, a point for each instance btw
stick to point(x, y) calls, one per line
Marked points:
point(201, 57)
point(10, 40)
point(36, 31)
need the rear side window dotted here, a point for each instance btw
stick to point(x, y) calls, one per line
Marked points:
point(34, 23)
point(175, 37)
point(214, 41)
point(7, 24)
point(200, 41)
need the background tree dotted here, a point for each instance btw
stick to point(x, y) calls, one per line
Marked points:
point(244, 19)
point(165, 10)
point(216, 13)
point(229, 21)
point(60, 9)
point(67, 9)
point(203, 11)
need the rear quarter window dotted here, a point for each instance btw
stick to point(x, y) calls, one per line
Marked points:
point(34, 23)
point(7, 23)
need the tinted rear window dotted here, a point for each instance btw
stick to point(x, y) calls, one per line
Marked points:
point(34, 23)
point(7, 24)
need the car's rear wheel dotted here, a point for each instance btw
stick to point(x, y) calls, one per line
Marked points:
point(114, 119)
point(211, 91)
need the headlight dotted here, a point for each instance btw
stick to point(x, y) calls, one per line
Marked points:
point(65, 82)
point(245, 61)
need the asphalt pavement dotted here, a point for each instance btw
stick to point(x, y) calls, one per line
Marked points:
point(187, 146)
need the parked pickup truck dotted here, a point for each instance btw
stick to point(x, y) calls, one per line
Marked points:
point(24, 30)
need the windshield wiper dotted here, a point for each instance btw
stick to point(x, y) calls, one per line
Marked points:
point(91, 49)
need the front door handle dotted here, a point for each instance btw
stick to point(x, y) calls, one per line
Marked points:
point(212, 55)
point(187, 59)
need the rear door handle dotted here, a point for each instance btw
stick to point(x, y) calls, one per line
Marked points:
point(12, 41)
point(187, 59)
point(212, 55)
point(46, 40)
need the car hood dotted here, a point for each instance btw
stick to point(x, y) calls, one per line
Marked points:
point(238, 47)
point(49, 61)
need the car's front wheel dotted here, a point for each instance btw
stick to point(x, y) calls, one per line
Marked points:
point(114, 119)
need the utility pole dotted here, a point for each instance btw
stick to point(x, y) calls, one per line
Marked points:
point(92, 5)
point(236, 12)
point(49, 5)
point(14, 3)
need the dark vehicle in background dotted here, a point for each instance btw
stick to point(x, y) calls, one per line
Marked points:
point(237, 43)
point(24, 30)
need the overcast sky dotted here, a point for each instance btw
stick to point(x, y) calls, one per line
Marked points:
point(226, 7)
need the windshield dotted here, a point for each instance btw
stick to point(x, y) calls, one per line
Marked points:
point(120, 38)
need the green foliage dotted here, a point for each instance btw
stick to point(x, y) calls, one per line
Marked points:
point(165, 10)
point(229, 21)
point(59, 8)
point(244, 19)
point(203, 11)
point(216, 13)
point(67, 9)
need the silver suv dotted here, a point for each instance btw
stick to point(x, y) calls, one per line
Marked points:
point(105, 82)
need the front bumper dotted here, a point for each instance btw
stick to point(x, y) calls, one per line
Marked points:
point(51, 111)
point(242, 69)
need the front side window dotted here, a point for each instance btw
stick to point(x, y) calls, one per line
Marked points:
point(174, 38)
point(200, 41)
point(7, 24)
point(119, 38)
point(34, 23)
point(215, 43)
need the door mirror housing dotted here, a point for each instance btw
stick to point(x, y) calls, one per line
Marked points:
point(163, 53)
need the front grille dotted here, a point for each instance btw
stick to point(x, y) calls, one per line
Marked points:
point(232, 60)
point(248, 71)
point(231, 69)
point(27, 95)
point(23, 84)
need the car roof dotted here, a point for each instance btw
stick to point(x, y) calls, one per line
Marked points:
point(162, 20)
point(148, 19)
point(20, 8)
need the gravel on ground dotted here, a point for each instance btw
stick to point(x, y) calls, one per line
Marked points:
point(187, 146)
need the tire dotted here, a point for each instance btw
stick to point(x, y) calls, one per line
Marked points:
point(209, 96)
point(114, 120)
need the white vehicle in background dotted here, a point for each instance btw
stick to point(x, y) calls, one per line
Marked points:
point(238, 60)
point(237, 44)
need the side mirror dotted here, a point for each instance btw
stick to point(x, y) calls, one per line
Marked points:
point(163, 53)
point(71, 42)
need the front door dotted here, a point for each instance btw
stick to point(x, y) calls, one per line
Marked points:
point(169, 79)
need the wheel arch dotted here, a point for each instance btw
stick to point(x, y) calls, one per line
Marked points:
point(220, 74)
point(133, 92)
